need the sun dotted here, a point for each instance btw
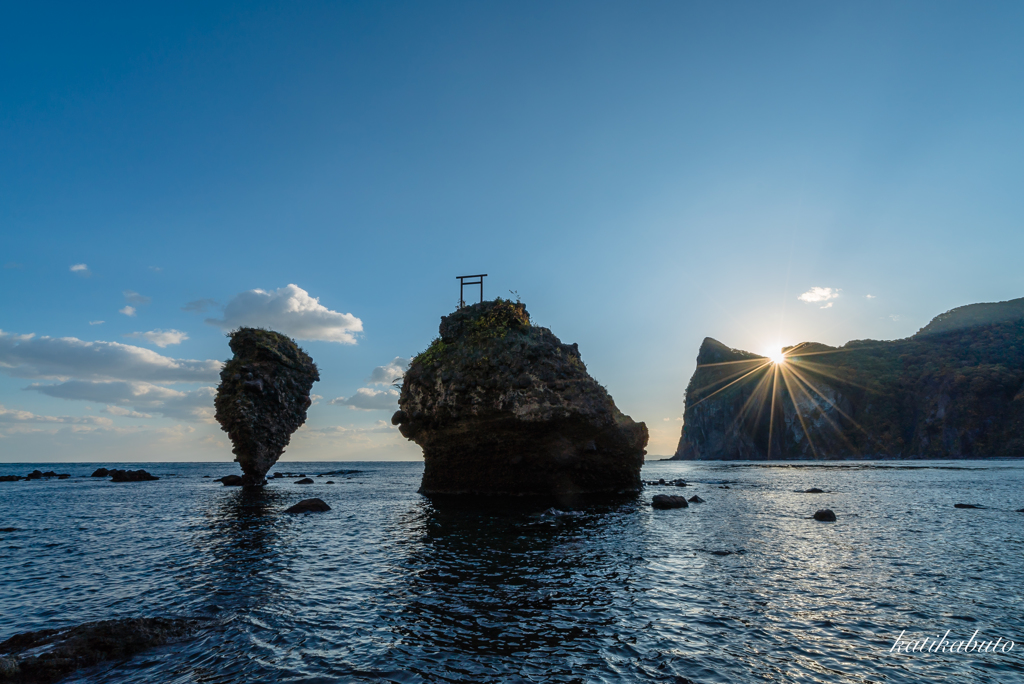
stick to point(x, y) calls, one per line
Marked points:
point(775, 355)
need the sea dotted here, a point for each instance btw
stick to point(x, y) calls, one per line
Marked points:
point(389, 586)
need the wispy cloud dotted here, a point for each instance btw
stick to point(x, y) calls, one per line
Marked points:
point(14, 416)
point(133, 297)
point(190, 405)
point(870, 296)
point(96, 322)
point(28, 356)
point(161, 338)
point(201, 305)
point(128, 311)
point(81, 269)
point(126, 413)
point(366, 399)
point(289, 310)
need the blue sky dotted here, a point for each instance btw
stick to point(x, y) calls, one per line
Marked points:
point(642, 174)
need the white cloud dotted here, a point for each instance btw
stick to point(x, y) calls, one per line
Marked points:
point(315, 398)
point(869, 296)
point(827, 306)
point(126, 413)
point(127, 311)
point(161, 338)
point(96, 322)
point(28, 356)
point(193, 405)
point(819, 294)
point(366, 399)
point(385, 375)
point(894, 317)
point(291, 311)
point(133, 297)
point(13, 416)
point(81, 269)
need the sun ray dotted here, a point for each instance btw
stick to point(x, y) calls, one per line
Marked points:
point(796, 409)
point(722, 389)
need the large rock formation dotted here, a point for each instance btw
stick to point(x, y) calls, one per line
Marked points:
point(263, 397)
point(500, 406)
point(953, 390)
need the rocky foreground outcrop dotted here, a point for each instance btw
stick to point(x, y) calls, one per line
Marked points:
point(263, 397)
point(953, 390)
point(502, 407)
point(50, 654)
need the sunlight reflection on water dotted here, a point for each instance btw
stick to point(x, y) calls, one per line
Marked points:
point(389, 586)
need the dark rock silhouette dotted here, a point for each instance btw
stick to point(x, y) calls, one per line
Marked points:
point(963, 505)
point(101, 472)
point(50, 654)
point(231, 480)
point(263, 397)
point(502, 407)
point(131, 476)
point(695, 499)
point(953, 390)
point(814, 490)
point(34, 475)
point(825, 515)
point(309, 506)
point(305, 480)
point(669, 501)
point(11, 478)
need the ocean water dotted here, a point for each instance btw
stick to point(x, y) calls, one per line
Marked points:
point(390, 587)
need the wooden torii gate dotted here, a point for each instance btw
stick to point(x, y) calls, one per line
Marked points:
point(468, 280)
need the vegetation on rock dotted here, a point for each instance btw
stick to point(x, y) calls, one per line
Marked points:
point(502, 406)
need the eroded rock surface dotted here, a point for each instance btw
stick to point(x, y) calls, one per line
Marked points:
point(50, 654)
point(263, 397)
point(502, 407)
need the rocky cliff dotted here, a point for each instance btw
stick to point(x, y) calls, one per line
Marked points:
point(953, 390)
point(263, 397)
point(501, 406)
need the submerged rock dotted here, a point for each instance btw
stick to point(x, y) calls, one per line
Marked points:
point(309, 506)
point(962, 505)
point(50, 654)
point(131, 476)
point(305, 480)
point(669, 501)
point(502, 407)
point(825, 515)
point(814, 490)
point(263, 397)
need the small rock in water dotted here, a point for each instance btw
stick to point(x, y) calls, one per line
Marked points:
point(131, 476)
point(330, 482)
point(722, 553)
point(696, 499)
point(8, 529)
point(664, 501)
point(825, 515)
point(1020, 510)
point(814, 490)
point(231, 480)
point(966, 506)
point(309, 506)
point(63, 476)
point(101, 472)
point(11, 478)
point(304, 480)
point(34, 475)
